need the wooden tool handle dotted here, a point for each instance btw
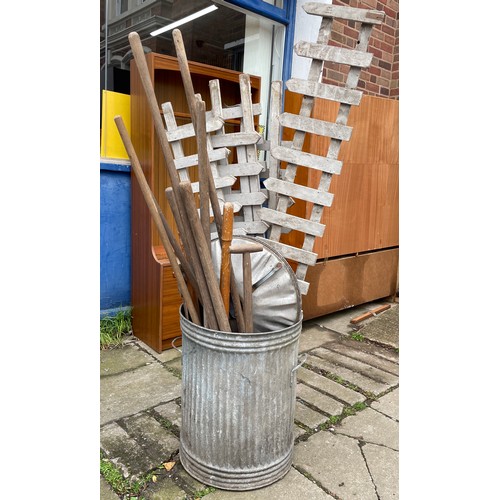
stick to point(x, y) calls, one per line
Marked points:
point(246, 248)
point(225, 264)
point(153, 208)
point(205, 257)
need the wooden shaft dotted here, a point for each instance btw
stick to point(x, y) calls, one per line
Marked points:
point(190, 245)
point(190, 97)
point(247, 292)
point(142, 67)
point(205, 257)
point(225, 264)
point(153, 208)
point(185, 265)
point(184, 69)
point(246, 249)
point(203, 167)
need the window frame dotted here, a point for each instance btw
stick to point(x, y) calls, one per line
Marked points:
point(284, 16)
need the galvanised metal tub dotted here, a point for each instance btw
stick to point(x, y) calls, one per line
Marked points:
point(238, 401)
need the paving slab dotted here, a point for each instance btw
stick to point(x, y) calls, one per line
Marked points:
point(164, 489)
point(107, 492)
point(164, 356)
point(383, 465)
point(297, 431)
point(294, 486)
point(171, 411)
point(307, 416)
point(339, 321)
point(136, 390)
point(124, 451)
point(313, 336)
point(121, 359)
point(384, 328)
point(364, 383)
point(371, 426)
point(152, 436)
point(373, 359)
point(388, 404)
point(330, 386)
point(319, 400)
point(336, 462)
point(355, 365)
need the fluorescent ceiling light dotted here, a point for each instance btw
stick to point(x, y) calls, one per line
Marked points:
point(184, 20)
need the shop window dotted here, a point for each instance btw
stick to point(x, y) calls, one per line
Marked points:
point(241, 35)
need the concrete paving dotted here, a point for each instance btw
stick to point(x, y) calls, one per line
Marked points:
point(346, 417)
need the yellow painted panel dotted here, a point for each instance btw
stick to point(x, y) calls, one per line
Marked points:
point(114, 103)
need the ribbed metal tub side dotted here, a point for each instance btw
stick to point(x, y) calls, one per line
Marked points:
point(238, 402)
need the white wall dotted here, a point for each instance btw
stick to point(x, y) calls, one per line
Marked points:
point(306, 29)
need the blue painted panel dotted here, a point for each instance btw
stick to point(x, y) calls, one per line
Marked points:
point(115, 238)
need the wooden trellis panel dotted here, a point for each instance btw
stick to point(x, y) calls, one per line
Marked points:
point(281, 188)
point(249, 198)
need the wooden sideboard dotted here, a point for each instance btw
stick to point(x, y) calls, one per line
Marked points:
point(359, 252)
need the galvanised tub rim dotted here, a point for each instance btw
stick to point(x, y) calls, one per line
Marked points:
point(247, 342)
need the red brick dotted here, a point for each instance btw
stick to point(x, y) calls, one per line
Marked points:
point(372, 87)
point(351, 33)
point(387, 57)
point(390, 40)
point(387, 29)
point(384, 91)
point(361, 84)
point(385, 65)
point(393, 4)
point(337, 37)
point(386, 47)
point(384, 73)
point(390, 12)
point(371, 4)
point(394, 92)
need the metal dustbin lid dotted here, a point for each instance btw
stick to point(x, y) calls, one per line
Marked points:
point(277, 302)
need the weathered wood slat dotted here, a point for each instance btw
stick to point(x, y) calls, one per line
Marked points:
point(289, 252)
point(250, 227)
point(348, 13)
point(303, 287)
point(235, 139)
point(245, 199)
point(307, 160)
point(317, 127)
point(333, 54)
point(187, 130)
point(220, 182)
point(234, 112)
point(292, 222)
point(325, 91)
point(274, 134)
point(297, 191)
point(192, 160)
point(241, 169)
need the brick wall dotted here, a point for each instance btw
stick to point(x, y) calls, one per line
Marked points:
point(382, 77)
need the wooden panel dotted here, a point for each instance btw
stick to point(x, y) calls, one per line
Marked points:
point(365, 213)
point(171, 301)
point(337, 284)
